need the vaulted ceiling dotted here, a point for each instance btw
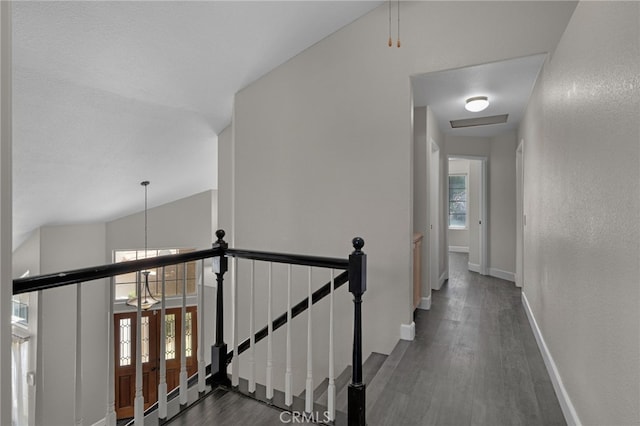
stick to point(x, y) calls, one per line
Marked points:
point(107, 94)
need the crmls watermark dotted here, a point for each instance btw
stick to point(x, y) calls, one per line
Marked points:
point(298, 417)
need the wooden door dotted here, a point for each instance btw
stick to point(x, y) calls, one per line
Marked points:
point(125, 355)
point(174, 344)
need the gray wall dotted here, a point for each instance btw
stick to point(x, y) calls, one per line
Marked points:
point(582, 232)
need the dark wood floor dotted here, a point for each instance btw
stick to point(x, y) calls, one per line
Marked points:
point(474, 361)
point(226, 408)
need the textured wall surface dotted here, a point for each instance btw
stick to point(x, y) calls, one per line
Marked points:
point(582, 236)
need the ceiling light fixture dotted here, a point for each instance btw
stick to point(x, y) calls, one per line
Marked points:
point(147, 300)
point(476, 103)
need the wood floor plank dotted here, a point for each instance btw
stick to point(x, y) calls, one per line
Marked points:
point(474, 361)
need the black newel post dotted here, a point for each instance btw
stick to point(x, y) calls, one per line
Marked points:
point(219, 349)
point(357, 286)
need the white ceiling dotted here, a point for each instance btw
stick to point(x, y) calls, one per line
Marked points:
point(107, 94)
point(507, 84)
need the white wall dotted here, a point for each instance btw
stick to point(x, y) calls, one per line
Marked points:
point(322, 144)
point(421, 193)
point(502, 204)
point(501, 154)
point(64, 248)
point(582, 229)
point(459, 238)
point(185, 223)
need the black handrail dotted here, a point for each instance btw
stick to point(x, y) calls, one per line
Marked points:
point(291, 259)
point(59, 279)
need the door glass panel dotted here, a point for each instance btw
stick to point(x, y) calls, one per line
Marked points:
point(145, 339)
point(170, 336)
point(125, 341)
point(188, 335)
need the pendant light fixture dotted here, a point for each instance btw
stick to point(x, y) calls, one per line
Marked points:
point(147, 299)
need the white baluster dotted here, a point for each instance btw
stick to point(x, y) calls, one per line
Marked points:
point(138, 401)
point(235, 365)
point(269, 378)
point(110, 419)
point(78, 371)
point(183, 340)
point(308, 404)
point(252, 342)
point(288, 377)
point(331, 389)
point(201, 306)
point(162, 385)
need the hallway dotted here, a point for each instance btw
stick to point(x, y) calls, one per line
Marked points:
point(474, 361)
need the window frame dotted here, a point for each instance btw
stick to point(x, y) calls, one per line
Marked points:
point(466, 202)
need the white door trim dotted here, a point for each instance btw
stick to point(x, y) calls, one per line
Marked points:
point(434, 210)
point(483, 267)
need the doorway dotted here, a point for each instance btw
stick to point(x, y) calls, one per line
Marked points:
point(125, 354)
point(467, 209)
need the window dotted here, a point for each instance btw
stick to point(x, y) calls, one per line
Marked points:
point(457, 201)
point(174, 275)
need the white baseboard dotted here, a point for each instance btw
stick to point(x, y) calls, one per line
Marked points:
point(459, 249)
point(569, 411)
point(494, 272)
point(425, 303)
point(408, 331)
point(473, 267)
point(499, 273)
point(101, 422)
point(441, 280)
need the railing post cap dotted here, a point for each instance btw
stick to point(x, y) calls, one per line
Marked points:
point(358, 243)
point(220, 234)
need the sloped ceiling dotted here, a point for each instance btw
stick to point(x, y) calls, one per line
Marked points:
point(107, 94)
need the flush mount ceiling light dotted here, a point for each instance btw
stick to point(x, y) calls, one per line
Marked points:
point(477, 103)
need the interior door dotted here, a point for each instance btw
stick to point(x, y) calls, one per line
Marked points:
point(173, 326)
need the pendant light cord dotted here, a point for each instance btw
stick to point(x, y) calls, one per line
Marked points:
point(390, 43)
point(398, 23)
point(145, 184)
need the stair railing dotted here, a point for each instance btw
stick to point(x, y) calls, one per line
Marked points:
point(354, 271)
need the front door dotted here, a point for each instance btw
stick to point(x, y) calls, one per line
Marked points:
point(125, 354)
